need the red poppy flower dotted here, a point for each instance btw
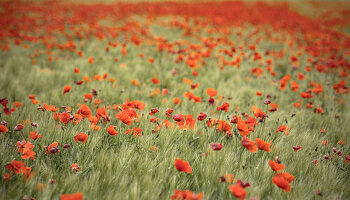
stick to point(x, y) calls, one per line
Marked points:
point(216, 146)
point(123, 117)
point(66, 89)
point(202, 116)
point(112, 131)
point(276, 166)
point(238, 191)
point(186, 195)
point(81, 137)
point(250, 145)
point(17, 167)
point(296, 148)
point(18, 127)
point(85, 111)
point(182, 166)
point(211, 92)
point(3, 129)
point(75, 196)
point(28, 153)
point(262, 145)
point(282, 180)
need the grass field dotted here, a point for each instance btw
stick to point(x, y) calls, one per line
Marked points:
point(103, 100)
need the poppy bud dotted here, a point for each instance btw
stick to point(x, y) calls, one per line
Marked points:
point(222, 178)
point(4, 101)
point(34, 124)
point(339, 153)
point(18, 127)
point(267, 101)
point(334, 149)
point(174, 72)
point(94, 92)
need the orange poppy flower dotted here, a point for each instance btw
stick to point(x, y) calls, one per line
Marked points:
point(126, 119)
point(182, 166)
point(211, 92)
point(276, 166)
point(90, 59)
point(168, 124)
point(262, 145)
point(28, 153)
point(17, 167)
point(66, 89)
point(75, 196)
point(186, 195)
point(136, 131)
point(85, 111)
point(81, 137)
point(224, 107)
point(282, 180)
point(52, 148)
point(284, 129)
point(258, 93)
point(224, 127)
point(294, 86)
point(94, 127)
point(34, 101)
point(65, 118)
point(24, 144)
point(250, 145)
point(238, 191)
point(75, 167)
point(112, 131)
point(86, 79)
point(17, 104)
point(242, 127)
point(34, 135)
point(176, 101)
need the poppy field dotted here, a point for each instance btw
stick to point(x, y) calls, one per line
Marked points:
point(174, 100)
